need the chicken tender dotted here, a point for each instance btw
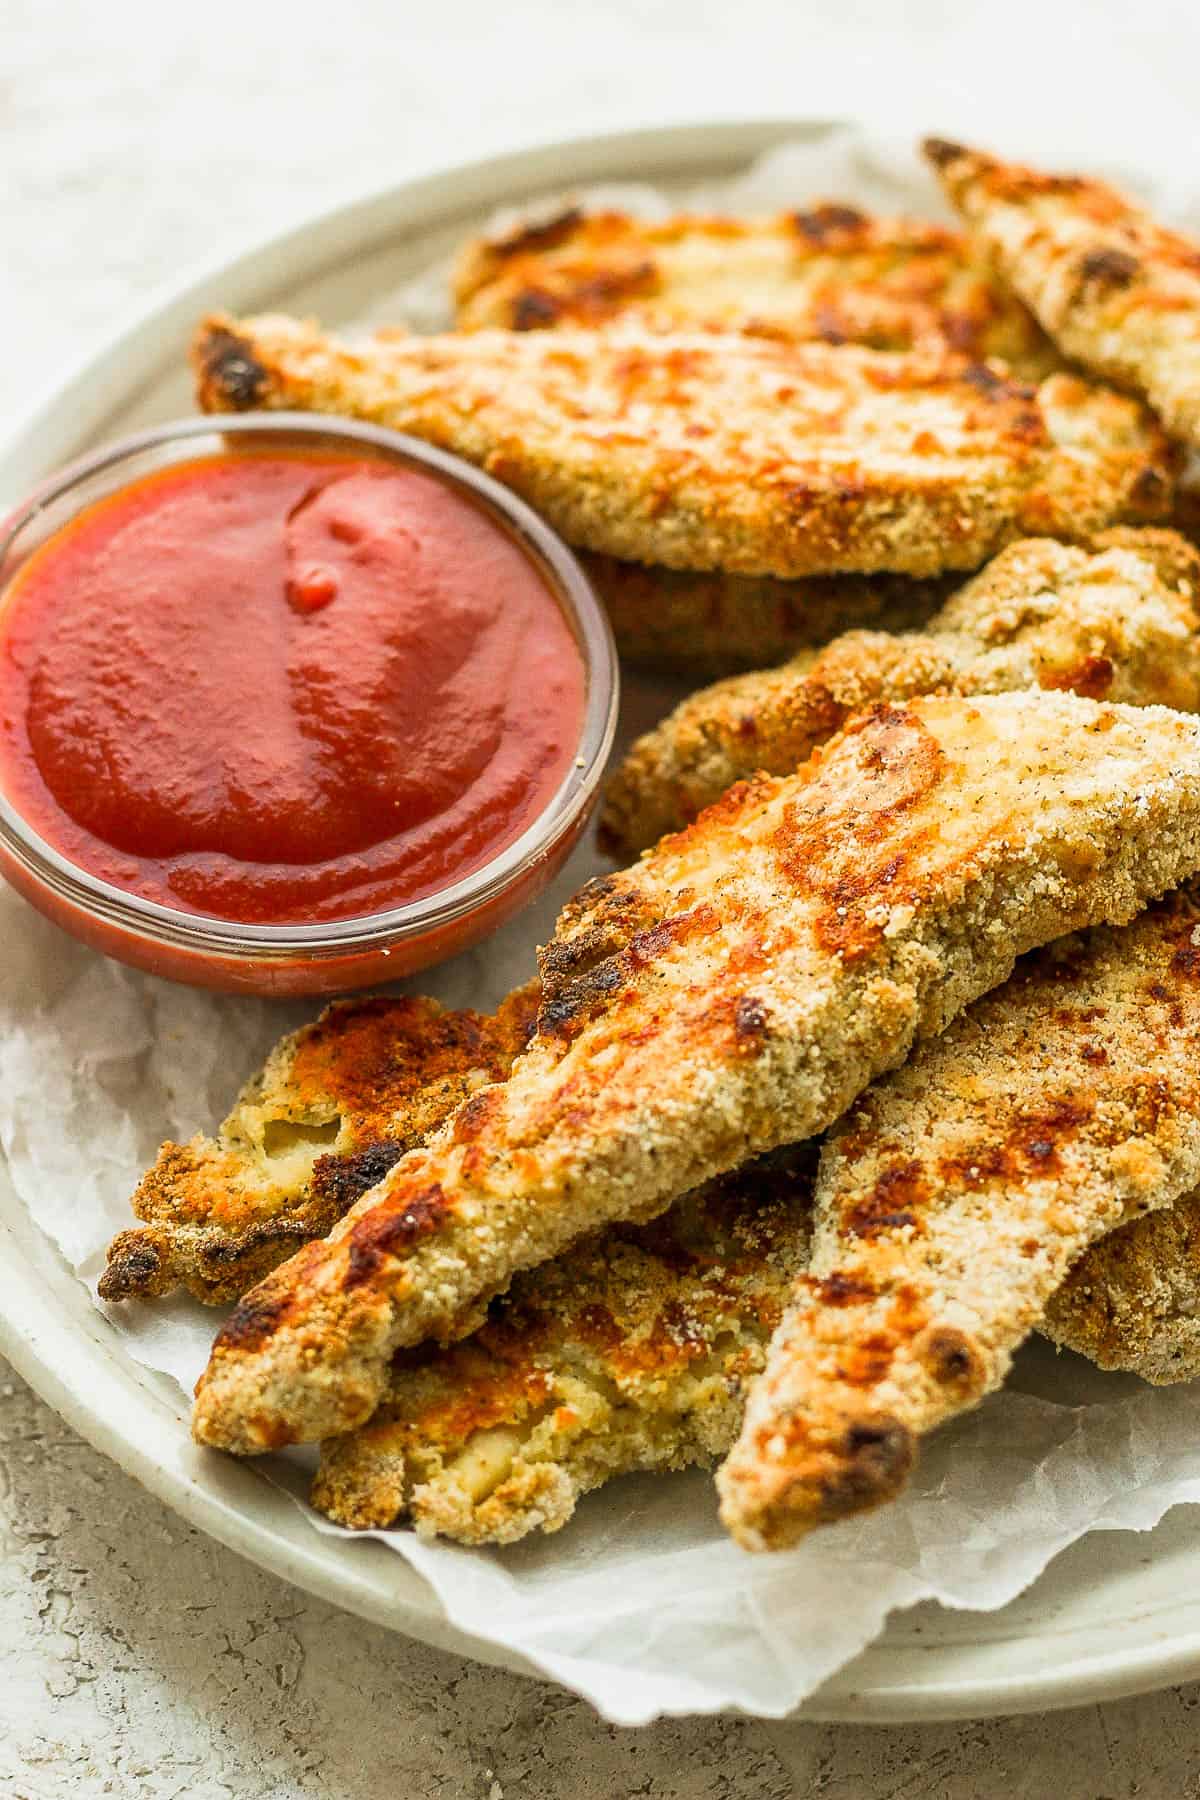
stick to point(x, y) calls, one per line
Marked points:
point(713, 451)
point(704, 624)
point(632, 1351)
point(1133, 1301)
point(337, 1104)
point(1118, 624)
point(730, 994)
point(1115, 290)
point(830, 272)
point(952, 1200)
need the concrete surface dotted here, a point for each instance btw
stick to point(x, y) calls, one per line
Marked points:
point(137, 1659)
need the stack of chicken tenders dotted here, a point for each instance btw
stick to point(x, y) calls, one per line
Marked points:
point(880, 1048)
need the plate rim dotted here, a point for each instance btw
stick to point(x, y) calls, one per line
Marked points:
point(230, 1501)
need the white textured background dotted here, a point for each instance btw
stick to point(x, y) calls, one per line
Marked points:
point(137, 1659)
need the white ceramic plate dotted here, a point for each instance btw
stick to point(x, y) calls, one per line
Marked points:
point(1116, 1614)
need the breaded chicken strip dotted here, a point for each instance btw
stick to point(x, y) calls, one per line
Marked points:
point(1116, 290)
point(704, 624)
point(731, 993)
point(831, 273)
point(1119, 624)
point(337, 1104)
point(733, 453)
point(952, 1200)
point(1133, 1302)
point(632, 1351)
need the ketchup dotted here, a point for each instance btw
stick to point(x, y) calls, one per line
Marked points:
point(280, 688)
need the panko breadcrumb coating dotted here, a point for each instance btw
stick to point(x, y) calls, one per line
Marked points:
point(1117, 624)
point(729, 994)
point(336, 1104)
point(829, 272)
point(1116, 291)
point(632, 1351)
point(952, 1200)
point(711, 451)
point(1133, 1302)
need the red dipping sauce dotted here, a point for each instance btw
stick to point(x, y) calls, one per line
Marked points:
point(276, 687)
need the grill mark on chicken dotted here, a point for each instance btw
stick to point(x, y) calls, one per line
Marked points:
point(733, 453)
point(1051, 812)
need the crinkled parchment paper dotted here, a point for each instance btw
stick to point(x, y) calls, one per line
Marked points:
point(641, 1604)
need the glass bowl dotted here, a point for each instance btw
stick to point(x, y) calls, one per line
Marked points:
point(348, 953)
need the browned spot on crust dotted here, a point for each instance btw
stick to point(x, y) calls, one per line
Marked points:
point(994, 385)
point(1092, 678)
point(734, 802)
point(1031, 1146)
point(228, 364)
point(1109, 268)
point(587, 295)
point(533, 308)
point(134, 1260)
point(951, 1358)
point(986, 1162)
point(676, 1337)
point(942, 151)
point(568, 1003)
point(341, 1180)
point(563, 1012)
point(537, 235)
point(887, 1206)
point(647, 946)
point(222, 1254)
point(1039, 1136)
point(390, 1230)
point(1186, 961)
point(514, 1390)
point(599, 891)
point(373, 1055)
point(750, 1020)
point(866, 1361)
point(476, 1114)
point(564, 960)
point(878, 1457)
point(601, 919)
point(840, 1289)
point(1152, 488)
point(253, 1320)
point(829, 224)
point(850, 858)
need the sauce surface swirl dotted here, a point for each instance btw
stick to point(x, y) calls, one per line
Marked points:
point(279, 688)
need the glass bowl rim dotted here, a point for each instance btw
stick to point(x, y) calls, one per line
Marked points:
point(206, 934)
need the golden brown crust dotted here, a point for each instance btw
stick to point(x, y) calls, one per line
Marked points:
point(1132, 1302)
point(337, 1104)
point(725, 452)
point(729, 994)
point(1115, 290)
point(830, 272)
point(632, 1351)
point(1042, 614)
point(952, 1200)
point(704, 624)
